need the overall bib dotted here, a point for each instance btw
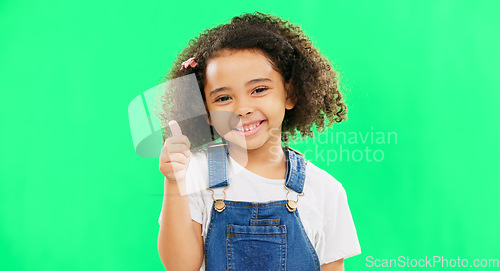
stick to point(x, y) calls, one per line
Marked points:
point(257, 236)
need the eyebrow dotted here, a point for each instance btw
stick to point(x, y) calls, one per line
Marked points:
point(253, 81)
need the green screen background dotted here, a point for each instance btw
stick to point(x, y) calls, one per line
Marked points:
point(75, 196)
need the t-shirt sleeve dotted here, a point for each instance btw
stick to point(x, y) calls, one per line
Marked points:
point(341, 240)
point(195, 196)
point(194, 183)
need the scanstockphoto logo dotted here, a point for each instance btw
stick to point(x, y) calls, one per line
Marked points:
point(351, 146)
point(432, 262)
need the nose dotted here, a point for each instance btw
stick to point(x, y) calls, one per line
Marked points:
point(243, 108)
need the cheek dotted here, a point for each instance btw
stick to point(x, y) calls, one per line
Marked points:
point(275, 107)
point(223, 121)
point(271, 103)
point(275, 114)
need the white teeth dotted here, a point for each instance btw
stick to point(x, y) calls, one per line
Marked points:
point(249, 128)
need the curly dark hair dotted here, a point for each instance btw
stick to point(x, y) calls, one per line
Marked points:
point(313, 80)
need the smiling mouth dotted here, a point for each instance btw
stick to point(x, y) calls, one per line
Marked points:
point(248, 127)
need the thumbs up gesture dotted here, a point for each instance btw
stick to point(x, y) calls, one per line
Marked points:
point(175, 154)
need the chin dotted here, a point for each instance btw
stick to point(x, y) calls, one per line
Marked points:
point(243, 143)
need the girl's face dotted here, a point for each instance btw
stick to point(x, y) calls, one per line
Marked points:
point(246, 98)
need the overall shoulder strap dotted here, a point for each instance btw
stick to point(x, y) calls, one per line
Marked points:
point(295, 170)
point(217, 165)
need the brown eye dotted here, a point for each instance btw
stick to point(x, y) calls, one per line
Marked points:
point(259, 90)
point(222, 99)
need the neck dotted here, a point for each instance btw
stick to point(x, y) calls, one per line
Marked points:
point(269, 154)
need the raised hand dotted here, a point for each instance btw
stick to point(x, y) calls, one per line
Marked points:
point(175, 154)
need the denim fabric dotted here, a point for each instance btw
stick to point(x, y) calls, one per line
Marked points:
point(262, 236)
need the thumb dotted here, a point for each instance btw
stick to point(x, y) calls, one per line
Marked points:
point(175, 128)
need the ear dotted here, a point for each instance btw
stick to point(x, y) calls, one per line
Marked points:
point(291, 98)
point(207, 117)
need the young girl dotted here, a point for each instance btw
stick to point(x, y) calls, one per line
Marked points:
point(234, 205)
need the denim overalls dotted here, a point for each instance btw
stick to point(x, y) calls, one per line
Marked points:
point(257, 236)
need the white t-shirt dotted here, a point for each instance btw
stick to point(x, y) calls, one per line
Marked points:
point(323, 208)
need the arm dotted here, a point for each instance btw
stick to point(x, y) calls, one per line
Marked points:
point(341, 240)
point(334, 266)
point(180, 243)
